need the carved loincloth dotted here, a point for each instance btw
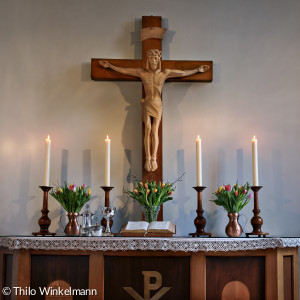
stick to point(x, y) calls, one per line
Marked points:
point(152, 108)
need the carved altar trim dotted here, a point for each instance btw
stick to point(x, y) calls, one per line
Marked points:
point(146, 244)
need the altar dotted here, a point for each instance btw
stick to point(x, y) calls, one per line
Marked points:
point(149, 268)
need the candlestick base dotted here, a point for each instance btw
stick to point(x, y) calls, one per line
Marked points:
point(256, 220)
point(200, 221)
point(106, 189)
point(44, 221)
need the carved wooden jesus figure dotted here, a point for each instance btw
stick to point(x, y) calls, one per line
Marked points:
point(153, 79)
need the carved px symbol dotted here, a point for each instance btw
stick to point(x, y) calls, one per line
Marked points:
point(149, 287)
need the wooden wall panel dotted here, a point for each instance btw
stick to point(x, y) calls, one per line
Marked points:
point(288, 277)
point(7, 267)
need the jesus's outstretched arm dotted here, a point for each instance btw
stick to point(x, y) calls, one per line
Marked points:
point(185, 73)
point(125, 71)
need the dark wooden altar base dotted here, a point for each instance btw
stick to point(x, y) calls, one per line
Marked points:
point(258, 234)
point(196, 234)
point(270, 274)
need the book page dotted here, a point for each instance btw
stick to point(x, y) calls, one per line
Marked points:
point(159, 225)
point(162, 227)
point(137, 226)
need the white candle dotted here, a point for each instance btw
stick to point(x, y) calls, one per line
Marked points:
point(107, 162)
point(199, 161)
point(47, 161)
point(254, 161)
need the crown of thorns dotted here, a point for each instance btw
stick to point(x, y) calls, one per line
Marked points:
point(154, 52)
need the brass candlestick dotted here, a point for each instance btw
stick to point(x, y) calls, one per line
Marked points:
point(200, 221)
point(44, 220)
point(106, 189)
point(256, 220)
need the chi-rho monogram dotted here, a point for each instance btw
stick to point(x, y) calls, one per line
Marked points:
point(149, 287)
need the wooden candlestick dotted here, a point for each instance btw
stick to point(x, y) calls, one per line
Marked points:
point(200, 221)
point(256, 220)
point(44, 220)
point(106, 189)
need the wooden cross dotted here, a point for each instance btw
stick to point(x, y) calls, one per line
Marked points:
point(99, 73)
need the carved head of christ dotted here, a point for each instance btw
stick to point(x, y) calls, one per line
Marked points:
point(154, 59)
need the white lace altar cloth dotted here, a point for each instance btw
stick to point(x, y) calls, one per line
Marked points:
point(146, 244)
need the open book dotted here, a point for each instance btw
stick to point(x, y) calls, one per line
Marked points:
point(153, 229)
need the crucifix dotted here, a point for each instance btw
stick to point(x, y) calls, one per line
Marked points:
point(153, 72)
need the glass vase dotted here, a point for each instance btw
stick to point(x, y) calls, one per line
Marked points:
point(150, 213)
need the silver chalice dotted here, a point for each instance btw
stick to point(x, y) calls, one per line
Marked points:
point(108, 212)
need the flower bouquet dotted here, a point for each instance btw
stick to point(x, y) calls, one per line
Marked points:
point(72, 199)
point(151, 195)
point(233, 200)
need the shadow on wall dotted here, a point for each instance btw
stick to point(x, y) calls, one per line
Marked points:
point(216, 216)
point(240, 166)
point(182, 202)
point(127, 208)
point(60, 213)
point(181, 210)
point(24, 198)
point(86, 167)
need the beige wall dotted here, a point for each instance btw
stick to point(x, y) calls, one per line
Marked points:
point(45, 88)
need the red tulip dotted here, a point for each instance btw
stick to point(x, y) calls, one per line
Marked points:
point(227, 187)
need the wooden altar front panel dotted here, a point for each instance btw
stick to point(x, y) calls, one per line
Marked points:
point(281, 276)
point(247, 270)
point(72, 269)
point(142, 274)
point(276, 271)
